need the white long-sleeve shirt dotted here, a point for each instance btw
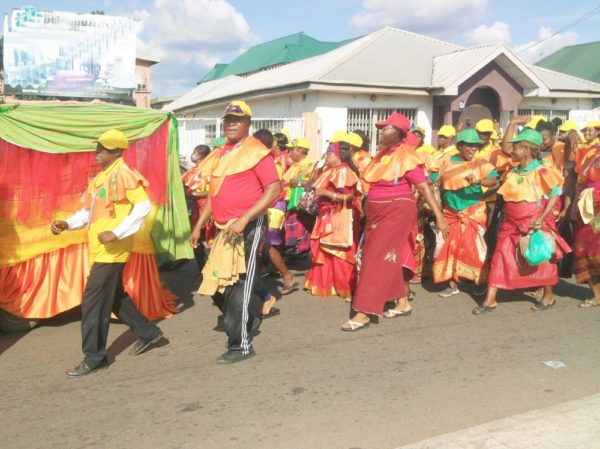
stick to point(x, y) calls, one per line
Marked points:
point(129, 226)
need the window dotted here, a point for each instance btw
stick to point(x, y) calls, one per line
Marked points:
point(548, 113)
point(365, 119)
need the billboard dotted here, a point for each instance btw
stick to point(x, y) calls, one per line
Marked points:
point(64, 54)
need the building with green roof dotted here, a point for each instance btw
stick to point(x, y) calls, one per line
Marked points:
point(284, 50)
point(576, 60)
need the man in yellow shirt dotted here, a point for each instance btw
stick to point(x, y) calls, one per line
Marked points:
point(446, 147)
point(485, 129)
point(423, 147)
point(116, 205)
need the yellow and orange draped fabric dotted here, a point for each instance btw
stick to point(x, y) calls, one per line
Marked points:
point(47, 153)
point(197, 178)
point(226, 263)
point(339, 177)
point(298, 170)
point(432, 165)
point(336, 222)
point(588, 167)
point(462, 254)
point(531, 186)
point(453, 174)
point(392, 164)
point(362, 159)
point(244, 156)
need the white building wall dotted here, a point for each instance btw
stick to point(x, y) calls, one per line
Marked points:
point(333, 108)
point(581, 110)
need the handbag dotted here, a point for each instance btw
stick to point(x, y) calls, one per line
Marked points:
point(340, 229)
point(308, 202)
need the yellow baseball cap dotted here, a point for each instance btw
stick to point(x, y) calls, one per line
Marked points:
point(355, 140)
point(590, 125)
point(238, 108)
point(485, 126)
point(339, 136)
point(447, 131)
point(113, 139)
point(535, 120)
point(300, 142)
point(420, 129)
point(568, 125)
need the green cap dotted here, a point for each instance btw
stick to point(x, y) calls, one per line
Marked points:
point(530, 135)
point(468, 136)
point(219, 142)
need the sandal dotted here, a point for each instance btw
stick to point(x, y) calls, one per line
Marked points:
point(287, 289)
point(541, 306)
point(273, 312)
point(393, 313)
point(351, 325)
point(447, 292)
point(416, 279)
point(588, 303)
point(480, 310)
point(534, 295)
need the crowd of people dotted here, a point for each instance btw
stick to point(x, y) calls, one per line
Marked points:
point(502, 210)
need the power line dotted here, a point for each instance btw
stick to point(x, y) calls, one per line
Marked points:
point(583, 18)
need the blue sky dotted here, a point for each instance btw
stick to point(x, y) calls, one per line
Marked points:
point(192, 35)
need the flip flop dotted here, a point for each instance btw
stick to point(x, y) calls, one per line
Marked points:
point(447, 292)
point(273, 312)
point(393, 313)
point(287, 289)
point(588, 303)
point(352, 326)
point(481, 310)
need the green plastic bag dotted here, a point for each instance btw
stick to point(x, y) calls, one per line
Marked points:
point(295, 194)
point(540, 249)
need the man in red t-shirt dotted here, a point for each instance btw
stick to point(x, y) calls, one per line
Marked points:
point(243, 184)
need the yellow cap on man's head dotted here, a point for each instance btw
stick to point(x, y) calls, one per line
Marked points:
point(238, 108)
point(300, 142)
point(113, 139)
point(533, 123)
point(484, 126)
point(447, 131)
point(568, 125)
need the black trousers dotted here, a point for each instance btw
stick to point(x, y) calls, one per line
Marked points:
point(240, 304)
point(103, 294)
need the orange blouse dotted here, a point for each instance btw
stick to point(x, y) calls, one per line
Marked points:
point(531, 184)
point(453, 174)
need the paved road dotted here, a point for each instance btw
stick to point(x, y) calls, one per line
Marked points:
point(311, 386)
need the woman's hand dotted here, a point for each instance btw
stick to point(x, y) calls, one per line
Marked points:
point(322, 192)
point(471, 179)
point(195, 238)
point(537, 224)
point(442, 226)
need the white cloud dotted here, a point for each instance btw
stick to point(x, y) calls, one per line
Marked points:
point(533, 54)
point(484, 35)
point(190, 36)
point(442, 18)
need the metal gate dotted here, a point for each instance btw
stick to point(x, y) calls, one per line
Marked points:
point(548, 113)
point(365, 119)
